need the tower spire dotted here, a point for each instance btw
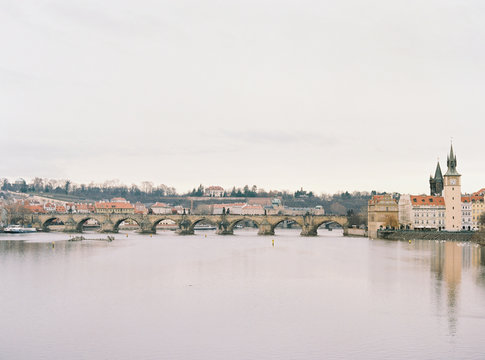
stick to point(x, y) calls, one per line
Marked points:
point(451, 162)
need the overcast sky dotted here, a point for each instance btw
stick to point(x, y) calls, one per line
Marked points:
point(327, 95)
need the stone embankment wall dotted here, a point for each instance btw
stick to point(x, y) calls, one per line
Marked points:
point(355, 232)
point(475, 236)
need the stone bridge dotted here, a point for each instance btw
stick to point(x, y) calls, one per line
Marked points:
point(224, 223)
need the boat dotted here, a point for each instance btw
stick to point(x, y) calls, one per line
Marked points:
point(17, 229)
point(204, 227)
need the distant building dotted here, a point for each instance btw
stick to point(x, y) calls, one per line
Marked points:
point(214, 191)
point(383, 212)
point(161, 208)
point(478, 208)
point(259, 201)
point(252, 210)
point(428, 212)
point(140, 208)
point(114, 208)
point(49, 207)
point(83, 208)
point(61, 209)
point(466, 212)
point(234, 208)
point(37, 209)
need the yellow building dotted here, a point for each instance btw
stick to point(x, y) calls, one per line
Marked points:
point(114, 207)
point(383, 212)
point(478, 208)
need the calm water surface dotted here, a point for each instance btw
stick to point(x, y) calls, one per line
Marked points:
point(238, 297)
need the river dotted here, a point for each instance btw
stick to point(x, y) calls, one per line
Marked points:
point(239, 297)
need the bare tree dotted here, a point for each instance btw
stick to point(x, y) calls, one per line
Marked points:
point(17, 213)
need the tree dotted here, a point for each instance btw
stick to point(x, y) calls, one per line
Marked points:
point(17, 213)
point(482, 220)
point(67, 184)
point(337, 209)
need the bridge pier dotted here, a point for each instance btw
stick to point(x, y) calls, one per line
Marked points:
point(308, 231)
point(223, 231)
point(181, 231)
point(266, 228)
point(108, 227)
point(70, 226)
point(146, 227)
point(224, 228)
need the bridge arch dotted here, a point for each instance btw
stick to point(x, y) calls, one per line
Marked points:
point(120, 220)
point(158, 221)
point(342, 224)
point(80, 223)
point(233, 223)
point(203, 219)
point(45, 224)
point(295, 220)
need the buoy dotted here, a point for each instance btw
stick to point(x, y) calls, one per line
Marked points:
point(410, 241)
point(272, 241)
point(205, 235)
point(126, 235)
point(150, 235)
point(53, 244)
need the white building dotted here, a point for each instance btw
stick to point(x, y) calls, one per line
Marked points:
point(161, 208)
point(466, 213)
point(214, 191)
point(234, 209)
point(422, 212)
point(406, 218)
point(50, 207)
point(252, 210)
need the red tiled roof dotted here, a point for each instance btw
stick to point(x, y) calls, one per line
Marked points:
point(160, 205)
point(427, 200)
point(476, 198)
point(480, 192)
point(111, 205)
point(35, 208)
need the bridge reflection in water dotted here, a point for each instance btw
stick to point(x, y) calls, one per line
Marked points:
point(109, 223)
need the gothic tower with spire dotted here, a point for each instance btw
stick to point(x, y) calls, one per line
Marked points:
point(436, 182)
point(452, 190)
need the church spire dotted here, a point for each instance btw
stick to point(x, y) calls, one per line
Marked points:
point(451, 162)
point(438, 174)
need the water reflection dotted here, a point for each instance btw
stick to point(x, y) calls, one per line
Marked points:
point(448, 261)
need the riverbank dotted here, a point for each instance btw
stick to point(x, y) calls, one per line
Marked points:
point(355, 232)
point(475, 236)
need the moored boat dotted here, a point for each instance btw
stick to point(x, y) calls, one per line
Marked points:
point(17, 229)
point(204, 227)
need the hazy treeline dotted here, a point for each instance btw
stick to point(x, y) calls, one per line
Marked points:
point(107, 190)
